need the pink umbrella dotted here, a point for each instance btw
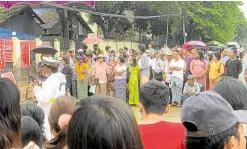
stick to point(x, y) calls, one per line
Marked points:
point(9, 4)
point(190, 44)
point(92, 40)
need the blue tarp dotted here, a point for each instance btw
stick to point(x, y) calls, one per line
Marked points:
point(7, 34)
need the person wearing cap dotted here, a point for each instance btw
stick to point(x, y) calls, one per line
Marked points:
point(107, 54)
point(190, 88)
point(82, 80)
point(167, 58)
point(53, 87)
point(233, 65)
point(176, 66)
point(99, 75)
point(211, 123)
point(157, 133)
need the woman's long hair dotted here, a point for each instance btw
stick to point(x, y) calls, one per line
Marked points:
point(10, 115)
point(62, 105)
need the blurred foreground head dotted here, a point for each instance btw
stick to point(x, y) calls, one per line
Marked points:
point(102, 122)
point(10, 115)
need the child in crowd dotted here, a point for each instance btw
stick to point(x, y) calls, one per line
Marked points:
point(190, 88)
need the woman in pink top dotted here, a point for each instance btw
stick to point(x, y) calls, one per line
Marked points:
point(199, 68)
point(99, 74)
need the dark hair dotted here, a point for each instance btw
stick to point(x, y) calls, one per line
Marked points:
point(134, 61)
point(54, 69)
point(200, 53)
point(125, 48)
point(107, 48)
point(66, 60)
point(215, 142)
point(84, 47)
point(30, 131)
point(10, 115)
point(62, 105)
point(233, 91)
point(154, 96)
point(217, 55)
point(103, 122)
point(113, 51)
point(176, 51)
point(121, 59)
point(36, 113)
point(210, 56)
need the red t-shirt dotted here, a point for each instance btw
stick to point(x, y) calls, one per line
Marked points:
point(162, 135)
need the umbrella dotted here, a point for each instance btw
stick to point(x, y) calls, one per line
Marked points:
point(191, 44)
point(9, 4)
point(92, 40)
point(45, 49)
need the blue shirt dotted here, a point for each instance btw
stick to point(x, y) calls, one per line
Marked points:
point(224, 59)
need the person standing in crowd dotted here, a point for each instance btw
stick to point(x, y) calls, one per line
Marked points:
point(216, 70)
point(176, 66)
point(99, 75)
point(120, 79)
point(190, 88)
point(224, 56)
point(102, 122)
point(158, 67)
point(144, 65)
point(165, 49)
point(82, 80)
point(111, 76)
point(154, 104)
point(211, 123)
point(107, 54)
point(133, 84)
point(125, 51)
point(68, 72)
point(233, 65)
point(89, 74)
point(74, 80)
point(10, 115)
point(199, 68)
point(53, 87)
point(71, 56)
point(167, 58)
point(151, 49)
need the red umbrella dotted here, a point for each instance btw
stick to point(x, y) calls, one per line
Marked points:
point(9, 4)
point(190, 44)
point(92, 40)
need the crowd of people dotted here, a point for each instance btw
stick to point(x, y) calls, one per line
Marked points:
point(151, 79)
point(120, 73)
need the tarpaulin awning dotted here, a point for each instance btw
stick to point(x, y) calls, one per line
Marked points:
point(7, 34)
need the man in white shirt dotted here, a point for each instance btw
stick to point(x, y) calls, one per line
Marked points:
point(176, 66)
point(157, 67)
point(52, 87)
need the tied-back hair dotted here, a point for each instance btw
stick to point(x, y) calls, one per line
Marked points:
point(134, 62)
point(201, 55)
point(62, 105)
point(36, 113)
point(10, 115)
point(103, 122)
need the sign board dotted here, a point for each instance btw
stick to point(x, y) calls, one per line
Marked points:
point(32, 45)
point(25, 54)
point(2, 63)
point(8, 75)
point(8, 51)
point(46, 43)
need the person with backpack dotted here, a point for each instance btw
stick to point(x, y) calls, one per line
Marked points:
point(199, 68)
point(216, 70)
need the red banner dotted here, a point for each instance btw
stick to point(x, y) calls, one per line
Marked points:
point(46, 43)
point(8, 75)
point(25, 54)
point(32, 45)
point(8, 51)
point(2, 63)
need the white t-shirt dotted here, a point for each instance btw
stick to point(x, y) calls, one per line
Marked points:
point(178, 74)
point(119, 68)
